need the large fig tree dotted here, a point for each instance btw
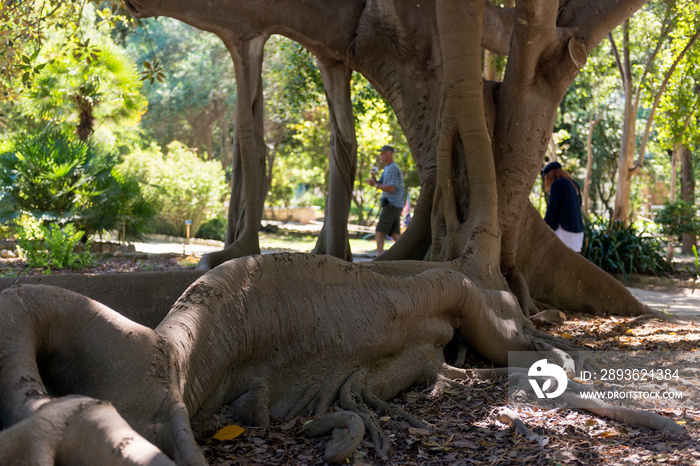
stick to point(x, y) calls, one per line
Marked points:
point(281, 335)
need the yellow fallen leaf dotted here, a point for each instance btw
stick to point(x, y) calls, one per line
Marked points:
point(567, 335)
point(228, 433)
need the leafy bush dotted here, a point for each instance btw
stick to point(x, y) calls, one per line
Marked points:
point(184, 186)
point(678, 218)
point(213, 229)
point(53, 246)
point(55, 177)
point(619, 249)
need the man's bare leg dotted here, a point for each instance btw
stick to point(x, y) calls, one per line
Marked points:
point(379, 237)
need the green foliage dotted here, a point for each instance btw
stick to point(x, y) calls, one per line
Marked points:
point(195, 104)
point(26, 27)
point(56, 178)
point(92, 85)
point(53, 246)
point(623, 250)
point(678, 218)
point(214, 228)
point(183, 186)
point(679, 105)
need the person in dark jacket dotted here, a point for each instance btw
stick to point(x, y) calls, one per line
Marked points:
point(564, 207)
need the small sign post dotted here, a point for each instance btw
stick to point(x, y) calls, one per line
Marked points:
point(187, 239)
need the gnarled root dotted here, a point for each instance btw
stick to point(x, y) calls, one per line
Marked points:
point(630, 416)
point(348, 430)
point(77, 430)
point(56, 330)
point(510, 418)
point(350, 398)
point(356, 399)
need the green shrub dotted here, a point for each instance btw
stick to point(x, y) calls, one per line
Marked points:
point(57, 178)
point(622, 250)
point(678, 218)
point(184, 186)
point(53, 246)
point(213, 229)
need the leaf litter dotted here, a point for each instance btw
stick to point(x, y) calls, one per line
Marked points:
point(467, 431)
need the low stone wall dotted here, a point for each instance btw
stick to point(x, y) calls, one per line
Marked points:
point(291, 214)
point(111, 248)
point(144, 297)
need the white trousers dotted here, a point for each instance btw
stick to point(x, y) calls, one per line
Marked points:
point(573, 240)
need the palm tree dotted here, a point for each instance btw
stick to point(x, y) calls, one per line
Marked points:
point(88, 86)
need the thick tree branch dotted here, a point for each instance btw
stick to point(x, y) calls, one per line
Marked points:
point(498, 28)
point(592, 20)
point(535, 32)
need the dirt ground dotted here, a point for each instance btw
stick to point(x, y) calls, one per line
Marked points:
point(465, 430)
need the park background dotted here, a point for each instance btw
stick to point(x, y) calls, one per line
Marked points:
point(122, 132)
point(113, 129)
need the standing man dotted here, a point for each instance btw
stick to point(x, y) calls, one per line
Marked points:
point(392, 201)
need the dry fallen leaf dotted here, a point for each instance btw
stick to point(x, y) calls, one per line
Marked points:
point(228, 433)
point(565, 456)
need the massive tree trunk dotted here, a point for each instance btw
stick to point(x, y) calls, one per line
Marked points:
point(279, 335)
point(333, 239)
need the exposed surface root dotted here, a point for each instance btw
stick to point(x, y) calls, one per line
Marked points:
point(389, 408)
point(232, 251)
point(630, 416)
point(237, 337)
point(519, 381)
point(350, 398)
point(548, 317)
point(510, 418)
point(348, 430)
point(77, 430)
point(476, 375)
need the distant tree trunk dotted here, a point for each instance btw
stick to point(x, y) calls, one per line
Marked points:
point(627, 168)
point(687, 194)
point(225, 142)
point(627, 145)
point(675, 159)
point(553, 149)
point(490, 72)
point(589, 164)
